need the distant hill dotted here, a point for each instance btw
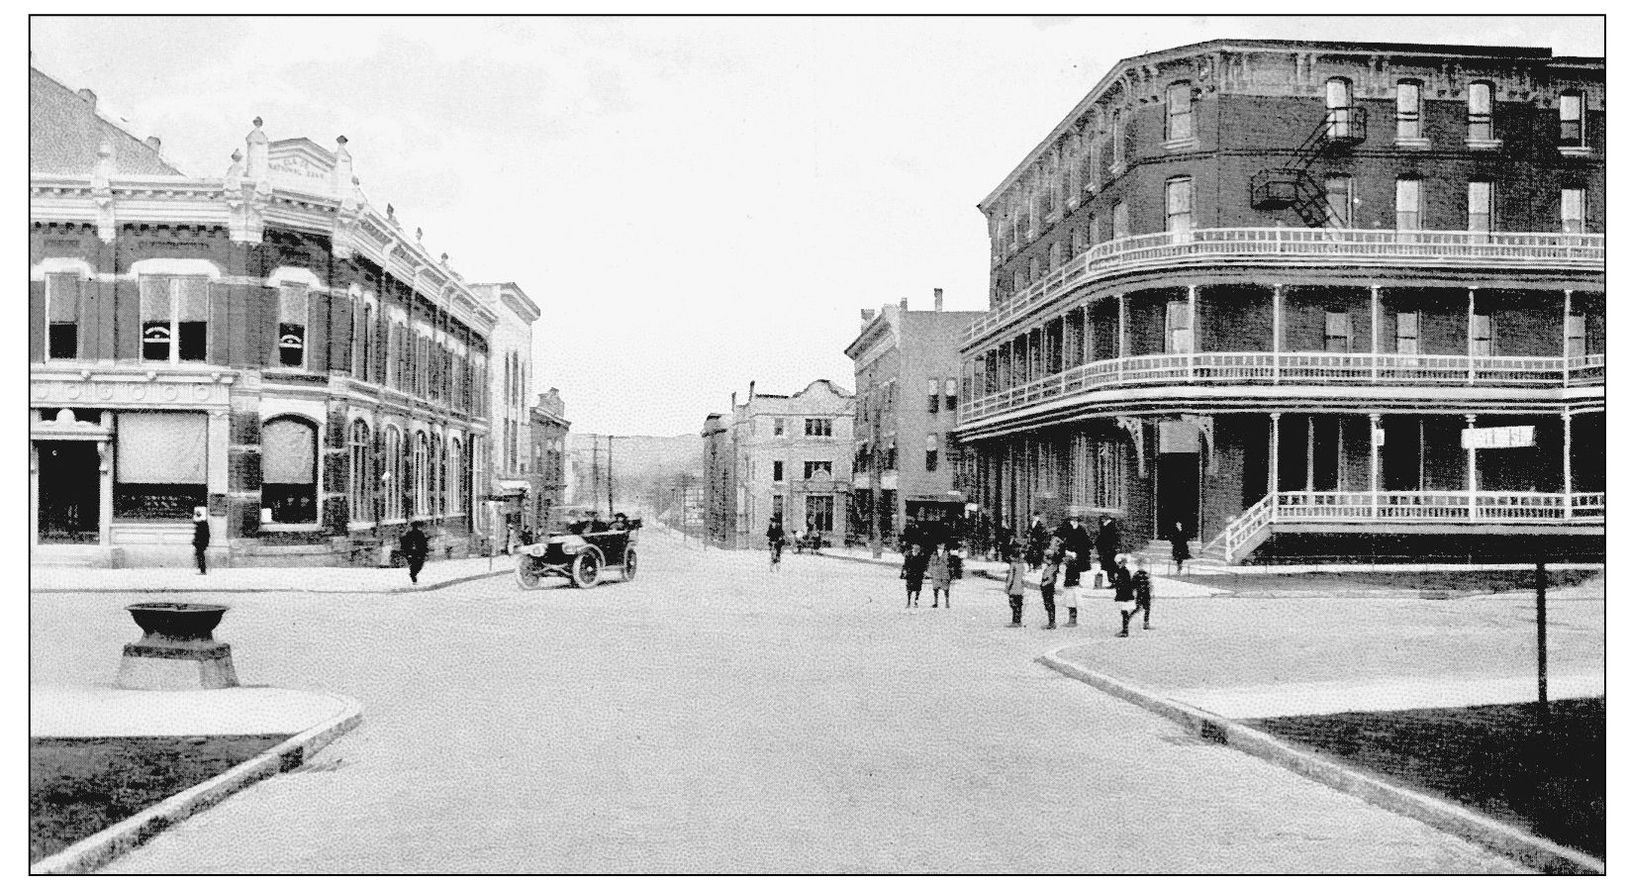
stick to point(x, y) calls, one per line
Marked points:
point(643, 466)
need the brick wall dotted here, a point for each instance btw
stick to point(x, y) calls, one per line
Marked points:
point(1235, 318)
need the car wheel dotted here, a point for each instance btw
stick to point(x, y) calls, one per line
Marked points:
point(585, 570)
point(630, 566)
point(524, 575)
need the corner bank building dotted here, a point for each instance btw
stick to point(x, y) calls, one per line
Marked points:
point(266, 344)
point(1309, 300)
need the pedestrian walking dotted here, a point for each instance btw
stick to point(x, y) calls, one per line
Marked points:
point(415, 548)
point(1013, 554)
point(1142, 592)
point(938, 569)
point(777, 542)
point(1077, 542)
point(1179, 551)
point(1050, 567)
point(1038, 537)
point(913, 572)
point(1124, 594)
point(1108, 541)
point(200, 538)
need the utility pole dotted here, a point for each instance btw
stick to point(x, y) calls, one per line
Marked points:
point(610, 474)
point(596, 472)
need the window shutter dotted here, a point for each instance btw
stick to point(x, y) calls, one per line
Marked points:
point(126, 320)
point(36, 321)
point(316, 331)
point(219, 323)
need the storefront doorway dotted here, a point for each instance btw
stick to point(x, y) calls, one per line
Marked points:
point(1178, 478)
point(69, 492)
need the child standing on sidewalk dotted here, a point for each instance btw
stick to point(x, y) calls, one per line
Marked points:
point(1124, 593)
point(938, 569)
point(1013, 554)
point(1071, 587)
point(1051, 565)
point(915, 568)
point(1142, 590)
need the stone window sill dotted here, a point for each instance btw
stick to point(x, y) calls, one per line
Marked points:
point(1490, 145)
point(1576, 151)
point(1417, 144)
point(1181, 144)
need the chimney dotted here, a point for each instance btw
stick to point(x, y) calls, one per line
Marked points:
point(904, 304)
point(89, 97)
point(751, 390)
point(866, 315)
point(938, 299)
point(155, 143)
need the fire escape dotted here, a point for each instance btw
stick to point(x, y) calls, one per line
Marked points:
point(1292, 186)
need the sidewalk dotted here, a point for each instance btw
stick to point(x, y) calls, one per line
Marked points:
point(437, 573)
point(1258, 658)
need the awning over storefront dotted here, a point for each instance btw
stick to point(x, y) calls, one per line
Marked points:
point(936, 498)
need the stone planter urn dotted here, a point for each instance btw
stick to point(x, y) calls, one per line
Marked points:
point(177, 650)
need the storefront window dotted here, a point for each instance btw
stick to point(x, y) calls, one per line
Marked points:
point(288, 450)
point(161, 465)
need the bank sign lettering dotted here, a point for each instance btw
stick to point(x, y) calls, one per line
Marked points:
point(1497, 437)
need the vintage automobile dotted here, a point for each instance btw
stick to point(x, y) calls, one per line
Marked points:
point(580, 556)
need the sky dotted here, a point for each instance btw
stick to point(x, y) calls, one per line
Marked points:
point(694, 203)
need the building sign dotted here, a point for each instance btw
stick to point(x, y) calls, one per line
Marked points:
point(1497, 437)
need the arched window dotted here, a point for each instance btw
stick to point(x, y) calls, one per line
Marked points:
point(1178, 111)
point(288, 465)
point(421, 478)
point(439, 453)
point(1119, 140)
point(1337, 92)
point(361, 473)
point(392, 470)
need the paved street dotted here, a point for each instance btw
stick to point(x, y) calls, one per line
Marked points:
point(710, 717)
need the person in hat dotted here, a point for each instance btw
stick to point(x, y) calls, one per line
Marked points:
point(415, 548)
point(200, 538)
point(1077, 542)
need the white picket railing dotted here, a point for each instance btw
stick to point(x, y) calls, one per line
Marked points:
point(1392, 507)
point(1288, 368)
point(1210, 246)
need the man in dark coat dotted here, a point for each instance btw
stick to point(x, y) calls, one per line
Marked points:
point(200, 538)
point(1107, 541)
point(415, 548)
point(1076, 540)
point(1038, 538)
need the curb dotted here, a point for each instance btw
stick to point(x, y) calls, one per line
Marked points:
point(1525, 848)
point(99, 849)
point(410, 588)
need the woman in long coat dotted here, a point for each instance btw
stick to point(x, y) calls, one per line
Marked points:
point(1179, 551)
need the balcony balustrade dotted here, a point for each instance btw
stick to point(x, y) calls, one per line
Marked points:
point(1285, 245)
point(1293, 368)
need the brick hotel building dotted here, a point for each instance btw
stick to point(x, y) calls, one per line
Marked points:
point(267, 344)
point(1264, 287)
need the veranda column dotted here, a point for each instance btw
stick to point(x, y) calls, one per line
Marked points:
point(1565, 341)
point(1123, 334)
point(1192, 328)
point(1277, 337)
point(1373, 459)
point(1373, 328)
point(1272, 458)
point(1469, 336)
point(1469, 471)
point(1565, 459)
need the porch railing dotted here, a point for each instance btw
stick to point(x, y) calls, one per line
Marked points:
point(1405, 507)
point(1291, 368)
point(1289, 245)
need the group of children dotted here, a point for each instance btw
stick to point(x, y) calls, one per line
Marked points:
point(1127, 575)
point(921, 564)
